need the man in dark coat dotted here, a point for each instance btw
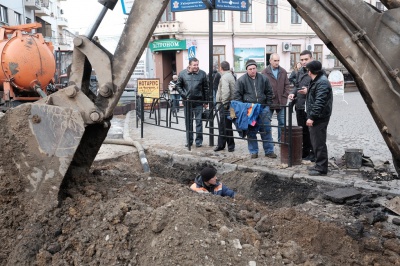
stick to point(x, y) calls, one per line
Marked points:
point(192, 85)
point(279, 81)
point(298, 95)
point(319, 109)
point(255, 88)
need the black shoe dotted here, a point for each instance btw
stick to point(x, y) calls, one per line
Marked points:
point(219, 149)
point(316, 173)
point(310, 158)
point(231, 150)
point(198, 145)
point(186, 145)
point(311, 167)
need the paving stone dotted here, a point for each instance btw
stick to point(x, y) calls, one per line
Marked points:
point(340, 195)
point(396, 221)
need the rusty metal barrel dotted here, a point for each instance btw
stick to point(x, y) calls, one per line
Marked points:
point(297, 143)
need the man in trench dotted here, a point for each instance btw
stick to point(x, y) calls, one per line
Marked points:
point(207, 182)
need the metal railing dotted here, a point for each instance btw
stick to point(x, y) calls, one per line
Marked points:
point(160, 112)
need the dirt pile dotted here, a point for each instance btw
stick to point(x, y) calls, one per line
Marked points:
point(118, 216)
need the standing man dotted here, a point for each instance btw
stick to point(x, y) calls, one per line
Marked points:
point(226, 89)
point(216, 76)
point(255, 88)
point(192, 85)
point(319, 109)
point(174, 93)
point(279, 81)
point(303, 80)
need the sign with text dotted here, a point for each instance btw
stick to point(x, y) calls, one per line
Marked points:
point(187, 5)
point(167, 45)
point(235, 5)
point(149, 88)
point(337, 82)
point(127, 6)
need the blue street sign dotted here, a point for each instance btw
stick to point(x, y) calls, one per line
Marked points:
point(187, 5)
point(191, 52)
point(236, 5)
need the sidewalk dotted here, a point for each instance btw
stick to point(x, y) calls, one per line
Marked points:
point(351, 126)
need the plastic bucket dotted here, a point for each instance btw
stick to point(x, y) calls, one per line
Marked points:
point(353, 158)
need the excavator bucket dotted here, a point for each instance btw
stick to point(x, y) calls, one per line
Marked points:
point(53, 141)
point(39, 143)
point(365, 40)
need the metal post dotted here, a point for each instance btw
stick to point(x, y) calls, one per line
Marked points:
point(141, 115)
point(210, 69)
point(290, 135)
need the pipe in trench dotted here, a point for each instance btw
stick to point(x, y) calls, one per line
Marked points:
point(127, 140)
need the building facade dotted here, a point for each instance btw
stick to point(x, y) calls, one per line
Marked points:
point(47, 12)
point(269, 26)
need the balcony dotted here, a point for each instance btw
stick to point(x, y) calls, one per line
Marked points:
point(62, 22)
point(167, 27)
point(42, 12)
point(33, 4)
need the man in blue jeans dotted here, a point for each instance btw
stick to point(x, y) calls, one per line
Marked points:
point(278, 78)
point(192, 85)
point(255, 88)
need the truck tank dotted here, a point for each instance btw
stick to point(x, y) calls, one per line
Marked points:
point(27, 64)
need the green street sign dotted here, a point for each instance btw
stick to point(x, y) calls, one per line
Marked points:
point(167, 45)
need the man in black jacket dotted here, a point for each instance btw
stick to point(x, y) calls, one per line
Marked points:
point(192, 85)
point(297, 94)
point(319, 109)
point(255, 88)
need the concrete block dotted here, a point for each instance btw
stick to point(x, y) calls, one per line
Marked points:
point(340, 195)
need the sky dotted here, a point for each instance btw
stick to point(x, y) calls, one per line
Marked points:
point(81, 14)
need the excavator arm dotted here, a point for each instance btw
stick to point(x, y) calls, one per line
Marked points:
point(366, 41)
point(55, 140)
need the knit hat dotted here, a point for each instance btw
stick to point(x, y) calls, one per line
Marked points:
point(250, 62)
point(314, 66)
point(208, 173)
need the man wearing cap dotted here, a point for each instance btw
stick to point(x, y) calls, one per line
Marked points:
point(319, 109)
point(207, 182)
point(255, 88)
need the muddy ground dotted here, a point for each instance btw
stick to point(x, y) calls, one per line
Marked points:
point(117, 215)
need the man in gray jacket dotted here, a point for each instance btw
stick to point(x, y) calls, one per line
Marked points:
point(226, 88)
point(255, 88)
point(192, 85)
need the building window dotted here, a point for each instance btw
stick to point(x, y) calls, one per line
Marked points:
point(245, 16)
point(218, 54)
point(318, 52)
point(28, 20)
point(296, 19)
point(380, 6)
point(269, 50)
point(218, 15)
point(3, 14)
point(272, 11)
point(17, 18)
point(295, 54)
point(167, 15)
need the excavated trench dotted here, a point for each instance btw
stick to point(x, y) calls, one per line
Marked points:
point(118, 215)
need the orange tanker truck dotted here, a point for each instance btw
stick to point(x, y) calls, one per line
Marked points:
point(27, 65)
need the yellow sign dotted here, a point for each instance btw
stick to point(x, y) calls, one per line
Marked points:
point(149, 88)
